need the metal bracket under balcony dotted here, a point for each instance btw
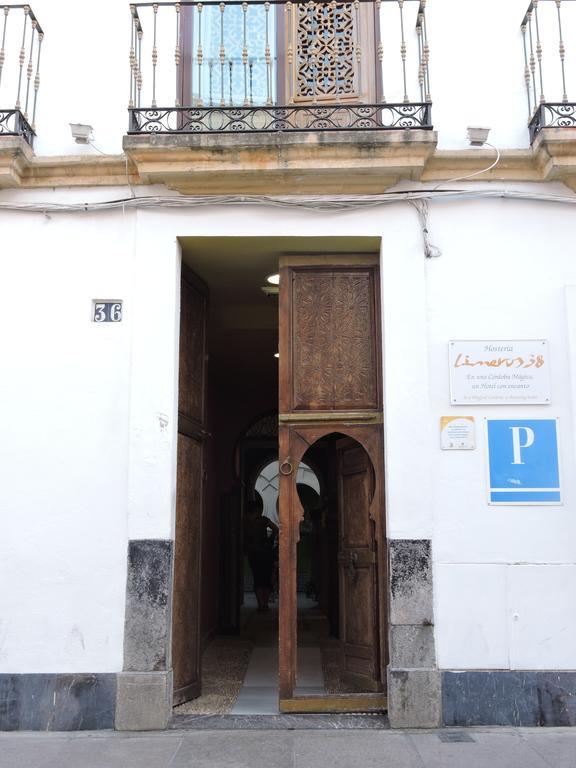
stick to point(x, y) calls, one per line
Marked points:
point(552, 115)
point(316, 117)
point(13, 123)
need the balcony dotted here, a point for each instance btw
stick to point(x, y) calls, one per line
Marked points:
point(281, 66)
point(548, 31)
point(21, 46)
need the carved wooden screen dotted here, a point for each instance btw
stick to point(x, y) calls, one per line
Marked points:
point(330, 52)
point(330, 339)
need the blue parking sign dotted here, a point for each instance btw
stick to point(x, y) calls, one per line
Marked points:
point(523, 461)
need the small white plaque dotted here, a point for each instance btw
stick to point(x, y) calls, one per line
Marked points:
point(499, 372)
point(457, 433)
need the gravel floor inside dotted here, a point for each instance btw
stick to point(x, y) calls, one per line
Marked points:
point(224, 665)
point(226, 658)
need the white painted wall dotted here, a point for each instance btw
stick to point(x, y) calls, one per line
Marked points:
point(476, 68)
point(88, 436)
point(64, 389)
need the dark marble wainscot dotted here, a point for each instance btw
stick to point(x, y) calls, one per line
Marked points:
point(59, 702)
point(516, 698)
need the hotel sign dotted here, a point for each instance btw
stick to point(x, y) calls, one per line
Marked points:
point(499, 372)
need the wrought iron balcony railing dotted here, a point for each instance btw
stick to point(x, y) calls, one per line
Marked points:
point(21, 46)
point(278, 65)
point(548, 25)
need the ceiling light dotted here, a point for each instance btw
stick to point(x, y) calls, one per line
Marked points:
point(276, 354)
point(273, 279)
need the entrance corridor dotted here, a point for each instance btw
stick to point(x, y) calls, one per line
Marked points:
point(240, 673)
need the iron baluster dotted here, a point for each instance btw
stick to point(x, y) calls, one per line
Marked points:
point(200, 56)
point(561, 50)
point(177, 52)
point(222, 54)
point(426, 49)
point(30, 67)
point(245, 51)
point(380, 50)
point(37, 80)
point(3, 48)
point(403, 49)
point(526, 70)
point(22, 55)
point(539, 51)
point(267, 57)
point(532, 57)
point(154, 53)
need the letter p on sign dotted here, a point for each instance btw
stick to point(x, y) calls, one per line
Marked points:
point(517, 443)
point(523, 461)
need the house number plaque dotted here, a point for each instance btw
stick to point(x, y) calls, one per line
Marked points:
point(107, 311)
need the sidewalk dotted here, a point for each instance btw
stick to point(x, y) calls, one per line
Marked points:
point(481, 748)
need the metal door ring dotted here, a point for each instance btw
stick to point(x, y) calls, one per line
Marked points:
point(286, 463)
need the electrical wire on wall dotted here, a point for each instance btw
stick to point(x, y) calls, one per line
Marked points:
point(430, 251)
point(476, 173)
point(322, 203)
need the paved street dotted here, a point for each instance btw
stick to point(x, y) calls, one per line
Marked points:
point(481, 748)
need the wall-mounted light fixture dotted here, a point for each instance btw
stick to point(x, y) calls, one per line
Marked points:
point(81, 133)
point(478, 136)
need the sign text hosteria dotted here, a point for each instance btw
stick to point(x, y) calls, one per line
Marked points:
point(499, 372)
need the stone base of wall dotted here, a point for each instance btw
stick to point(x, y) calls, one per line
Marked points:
point(144, 701)
point(58, 702)
point(516, 698)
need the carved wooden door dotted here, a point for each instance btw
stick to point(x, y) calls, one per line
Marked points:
point(357, 573)
point(329, 384)
point(186, 650)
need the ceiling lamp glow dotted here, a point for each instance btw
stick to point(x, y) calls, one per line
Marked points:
point(273, 279)
point(276, 354)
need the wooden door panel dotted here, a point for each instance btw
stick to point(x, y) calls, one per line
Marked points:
point(186, 606)
point(186, 600)
point(332, 339)
point(359, 630)
point(191, 395)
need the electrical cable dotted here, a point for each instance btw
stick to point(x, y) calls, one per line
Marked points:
point(421, 206)
point(476, 173)
point(321, 203)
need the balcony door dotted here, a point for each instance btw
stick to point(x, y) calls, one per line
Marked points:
point(298, 53)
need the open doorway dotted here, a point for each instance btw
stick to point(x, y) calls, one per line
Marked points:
point(230, 418)
point(337, 581)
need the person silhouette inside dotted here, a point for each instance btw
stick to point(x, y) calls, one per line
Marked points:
point(259, 535)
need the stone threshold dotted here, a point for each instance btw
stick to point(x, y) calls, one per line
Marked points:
point(363, 721)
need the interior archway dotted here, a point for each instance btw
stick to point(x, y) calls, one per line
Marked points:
point(337, 579)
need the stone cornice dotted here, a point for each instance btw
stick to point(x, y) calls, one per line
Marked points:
point(339, 162)
point(20, 167)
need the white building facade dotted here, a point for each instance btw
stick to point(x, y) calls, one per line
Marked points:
point(475, 248)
